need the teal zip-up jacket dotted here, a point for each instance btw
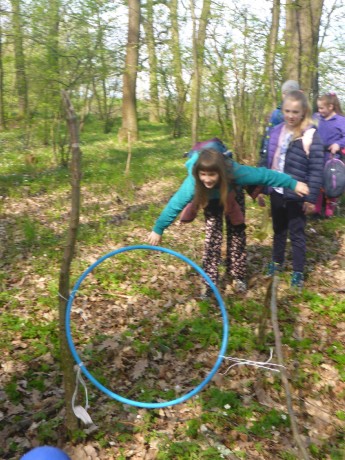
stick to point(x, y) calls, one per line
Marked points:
point(242, 175)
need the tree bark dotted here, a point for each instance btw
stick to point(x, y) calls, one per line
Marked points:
point(53, 99)
point(177, 69)
point(67, 362)
point(2, 101)
point(271, 51)
point(199, 37)
point(301, 38)
point(129, 105)
point(153, 72)
point(100, 77)
point(19, 57)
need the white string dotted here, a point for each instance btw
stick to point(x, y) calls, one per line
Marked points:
point(72, 293)
point(79, 411)
point(260, 364)
point(60, 295)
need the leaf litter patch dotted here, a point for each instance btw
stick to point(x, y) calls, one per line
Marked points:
point(140, 330)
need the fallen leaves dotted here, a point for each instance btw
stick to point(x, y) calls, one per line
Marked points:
point(139, 368)
point(128, 339)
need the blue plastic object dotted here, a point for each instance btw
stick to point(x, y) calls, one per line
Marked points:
point(45, 453)
point(110, 393)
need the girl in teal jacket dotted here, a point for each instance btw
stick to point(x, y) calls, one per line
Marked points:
point(211, 176)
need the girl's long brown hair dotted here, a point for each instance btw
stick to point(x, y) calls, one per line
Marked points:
point(212, 161)
point(331, 99)
point(306, 121)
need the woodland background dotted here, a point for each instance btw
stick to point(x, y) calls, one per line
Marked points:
point(146, 80)
point(182, 63)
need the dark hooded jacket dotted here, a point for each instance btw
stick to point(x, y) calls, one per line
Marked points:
point(301, 163)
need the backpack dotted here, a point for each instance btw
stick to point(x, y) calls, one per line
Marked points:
point(213, 143)
point(334, 178)
point(216, 144)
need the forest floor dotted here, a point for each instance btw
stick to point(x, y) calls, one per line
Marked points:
point(142, 331)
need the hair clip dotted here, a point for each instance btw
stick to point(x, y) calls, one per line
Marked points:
point(331, 93)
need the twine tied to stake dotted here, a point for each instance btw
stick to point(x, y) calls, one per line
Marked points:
point(263, 364)
point(79, 411)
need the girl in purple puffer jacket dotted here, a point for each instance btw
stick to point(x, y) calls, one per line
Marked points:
point(331, 128)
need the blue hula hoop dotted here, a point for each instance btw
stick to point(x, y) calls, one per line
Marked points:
point(104, 389)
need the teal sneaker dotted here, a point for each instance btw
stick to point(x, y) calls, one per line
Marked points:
point(273, 268)
point(239, 285)
point(207, 294)
point(297, 280)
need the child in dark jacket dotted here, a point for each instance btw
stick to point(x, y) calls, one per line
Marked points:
point(296, 149)
point(210, 178)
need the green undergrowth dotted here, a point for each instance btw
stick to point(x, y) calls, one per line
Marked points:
point(224, 415)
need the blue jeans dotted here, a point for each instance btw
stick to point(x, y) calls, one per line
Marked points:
point(288, 217)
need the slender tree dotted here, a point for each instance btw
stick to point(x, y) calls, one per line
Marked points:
point(153, 71)
point(217, 77)
point(52, 95)
point(20, 66)
point(271, 51)
point(199, 37)
point(177, 69)
point(101, 74)
point(2, 99)
point(67, 362)
point(129, 103)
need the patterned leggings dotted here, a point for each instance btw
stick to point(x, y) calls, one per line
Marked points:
point(236, 254)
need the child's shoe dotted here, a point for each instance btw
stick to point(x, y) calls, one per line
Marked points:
point(239, 285)
point(272, 268)
point(297, 280)
point(330, 207)
point(207, 294)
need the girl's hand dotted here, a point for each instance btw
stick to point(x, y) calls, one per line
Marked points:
point(261, 200)
point(308, 208)
point(334, 148)
point(301, 189)
point(154, 239)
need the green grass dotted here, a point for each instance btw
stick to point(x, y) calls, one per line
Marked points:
point(29, 286)
point(185, 450)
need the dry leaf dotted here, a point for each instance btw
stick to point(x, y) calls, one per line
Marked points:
point(139, 368)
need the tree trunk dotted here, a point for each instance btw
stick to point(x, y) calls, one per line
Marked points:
point(151, 48)
point(105, 103)
point(199, 38)
point(129, 104)
point(177, 68)
point(67, 362)
point(53, 99)
point(2, 102)
point(279, 350)
point(302, 36)
point(19, 57)
point(271, 52)
point(218, 91)
point(310, 33)
point(292, 40)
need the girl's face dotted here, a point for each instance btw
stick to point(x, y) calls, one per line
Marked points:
point(209, 178)
point(325, 110)
point(293, 113)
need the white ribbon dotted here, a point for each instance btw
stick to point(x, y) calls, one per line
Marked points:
point(79, 411)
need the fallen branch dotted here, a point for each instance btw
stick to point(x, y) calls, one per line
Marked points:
point(67, 361)
point(274, 317)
